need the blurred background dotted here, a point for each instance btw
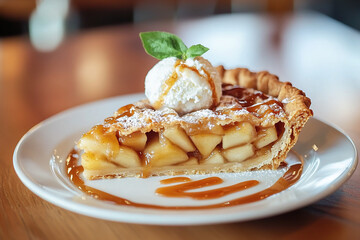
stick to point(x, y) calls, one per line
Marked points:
point(23, 17)
point(55, 54)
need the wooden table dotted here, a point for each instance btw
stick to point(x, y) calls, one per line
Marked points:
point(317, 54)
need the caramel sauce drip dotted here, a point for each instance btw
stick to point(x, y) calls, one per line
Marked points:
point(291, 176)
point(180, 190)
point(211, 84)
point(175, 180)
point(169, 83)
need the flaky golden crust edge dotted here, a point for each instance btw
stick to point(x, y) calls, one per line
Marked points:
point(295, 99)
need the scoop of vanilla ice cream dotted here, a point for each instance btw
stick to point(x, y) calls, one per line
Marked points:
point(183, 85)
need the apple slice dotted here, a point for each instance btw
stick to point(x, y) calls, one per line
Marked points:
point(217, 129)
point(100, 142)
point(239, 154)
point(163, 153)
point(127, 157)
point(238, 134)
point(267, 136)
point(214, 158)
point(206, 143)
point(91, 161)
point(89, 143)
point(178, 136)
point(191, 161)
point(136, 141)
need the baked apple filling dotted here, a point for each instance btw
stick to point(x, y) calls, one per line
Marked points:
point(230, 143)
point(175, 147)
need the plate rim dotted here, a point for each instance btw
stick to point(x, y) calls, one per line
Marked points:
point(149, 219)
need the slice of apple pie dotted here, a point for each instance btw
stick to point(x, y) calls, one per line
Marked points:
point(197, 119)
point(254, 125)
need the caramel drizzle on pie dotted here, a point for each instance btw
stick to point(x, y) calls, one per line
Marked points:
point(290, 177)
point(121, 112)
point(169, 83)
point(249, 101)
point(246, 100)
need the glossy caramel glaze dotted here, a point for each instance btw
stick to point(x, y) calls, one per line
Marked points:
point(252, 102)
point(125, 111)
point(121, 112)
point(291, 176)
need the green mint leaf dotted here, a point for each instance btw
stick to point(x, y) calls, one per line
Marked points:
point(161, 45)
point(195, 50)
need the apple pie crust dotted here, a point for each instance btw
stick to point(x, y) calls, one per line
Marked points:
point(256, 123)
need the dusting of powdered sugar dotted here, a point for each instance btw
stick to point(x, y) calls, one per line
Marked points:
point(142, 118)
point(227, 111)
point(286, 100)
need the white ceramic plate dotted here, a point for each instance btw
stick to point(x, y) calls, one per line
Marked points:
point(39, 161)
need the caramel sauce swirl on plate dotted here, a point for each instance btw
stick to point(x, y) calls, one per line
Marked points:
point(291, 176)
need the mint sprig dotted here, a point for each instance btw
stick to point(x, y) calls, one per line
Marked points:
point(162, 45)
